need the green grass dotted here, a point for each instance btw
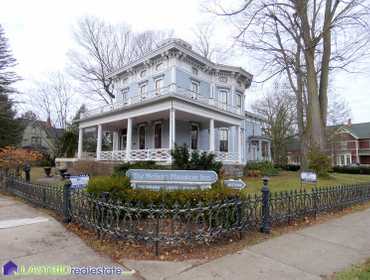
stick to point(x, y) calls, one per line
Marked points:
point(358, 272)
point(287, 181)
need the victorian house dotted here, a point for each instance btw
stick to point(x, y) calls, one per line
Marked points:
point(170, 96)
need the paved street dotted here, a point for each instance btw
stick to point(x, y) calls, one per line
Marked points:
point(306, 254)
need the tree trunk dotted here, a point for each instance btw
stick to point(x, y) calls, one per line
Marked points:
point(326, 55)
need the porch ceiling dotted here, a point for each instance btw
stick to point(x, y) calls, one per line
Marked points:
point(164, 115)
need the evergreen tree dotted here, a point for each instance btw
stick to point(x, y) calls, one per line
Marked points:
point(10, 127)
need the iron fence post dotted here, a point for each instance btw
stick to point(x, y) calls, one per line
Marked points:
point(67, 201)
point(266, 219)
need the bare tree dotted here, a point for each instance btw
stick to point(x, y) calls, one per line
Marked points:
point(102, 48)
point(55, 99)
point(305, 40)
point(276, 106)
point(339, 111)
point(204, 43)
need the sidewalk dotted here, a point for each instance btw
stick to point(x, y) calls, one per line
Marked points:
point(43, 242)
point(306, 254)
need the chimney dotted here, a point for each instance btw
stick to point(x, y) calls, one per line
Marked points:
point(48, 122)
point(349, 123)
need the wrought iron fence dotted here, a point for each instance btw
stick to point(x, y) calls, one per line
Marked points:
point(177, 225)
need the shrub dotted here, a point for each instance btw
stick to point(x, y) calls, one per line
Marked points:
point(120, 170)
point(319, 162)
point(119, 188)
point(266, 168)
point(352, 169)
point(111, 184)
point(290, 167)
point(196, 161)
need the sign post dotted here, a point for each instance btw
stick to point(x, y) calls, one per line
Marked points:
point(79, 182)
point(308, 177)
point(235, 184)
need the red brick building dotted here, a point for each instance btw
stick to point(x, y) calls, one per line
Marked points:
point(350, 144)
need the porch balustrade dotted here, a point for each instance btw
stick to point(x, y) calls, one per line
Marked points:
point(165, 91)
point(163, 155)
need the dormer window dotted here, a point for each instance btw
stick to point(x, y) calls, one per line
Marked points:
point(142, 73)
point(195, 71)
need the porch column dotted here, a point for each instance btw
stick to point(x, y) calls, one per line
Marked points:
point(115, 140)
point(269, 150)
point(211, 135)
point(99, 142)
point(172, 128)
point(239, 143)
point(259, 150)
point(80, 141)
point(129, 138)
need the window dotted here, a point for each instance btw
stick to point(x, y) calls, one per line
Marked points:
point(158, 136)
point(194, 136)
point(158, 86)
point(224, 143)
point(238, 100)
point(124, 93)
point(143, 91)
point(159, 67)
point(222, 96)
point(35, 141)
point(124, 139)
point(195, 88)
point(348, 159)
point(195, 71)
point(142, 137)
point(142, 73)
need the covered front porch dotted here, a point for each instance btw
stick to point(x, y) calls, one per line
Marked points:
point(152, 137)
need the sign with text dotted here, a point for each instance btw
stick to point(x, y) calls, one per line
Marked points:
point(171, 179)
point(308, 177)
point(234, 184)
point(79, 182)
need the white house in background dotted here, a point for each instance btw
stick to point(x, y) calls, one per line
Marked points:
point(173, 95)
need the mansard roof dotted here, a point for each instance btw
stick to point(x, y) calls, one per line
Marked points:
point(182, 49)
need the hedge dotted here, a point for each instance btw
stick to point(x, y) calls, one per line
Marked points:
point(119, 188)
point(352, 169)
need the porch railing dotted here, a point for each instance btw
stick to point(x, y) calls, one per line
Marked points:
point(159, 155)
point(165, 91)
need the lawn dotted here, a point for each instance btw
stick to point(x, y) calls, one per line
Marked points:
point(286, 181)
point(358, 272)
point(38, 177)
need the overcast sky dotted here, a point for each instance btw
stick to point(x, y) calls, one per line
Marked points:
point(39, 33)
